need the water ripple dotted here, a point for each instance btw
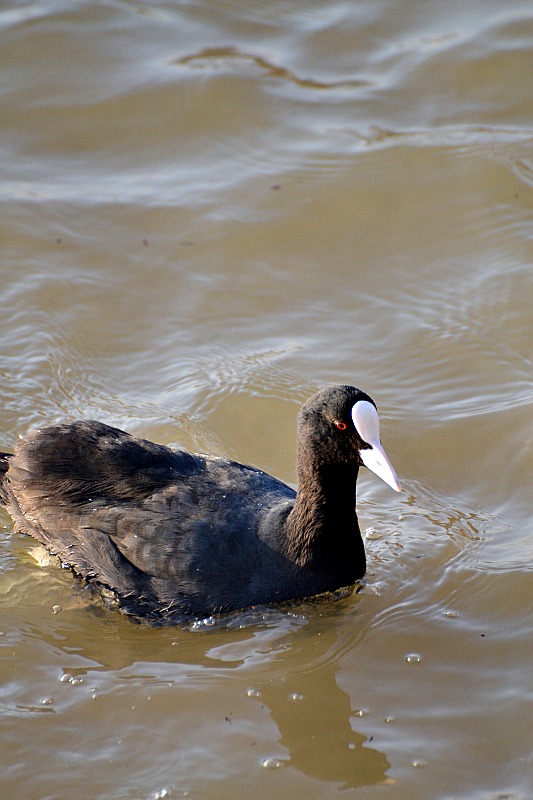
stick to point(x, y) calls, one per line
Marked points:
point(231, 59)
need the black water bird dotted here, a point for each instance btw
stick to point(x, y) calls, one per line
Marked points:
point(168, 534)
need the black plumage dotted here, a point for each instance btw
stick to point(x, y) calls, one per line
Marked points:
point(172, 534)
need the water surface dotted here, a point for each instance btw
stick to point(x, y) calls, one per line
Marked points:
point(210, 210)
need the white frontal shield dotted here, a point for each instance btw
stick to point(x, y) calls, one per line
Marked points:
point(366, 421)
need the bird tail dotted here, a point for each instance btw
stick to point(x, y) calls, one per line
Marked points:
point(4, 466)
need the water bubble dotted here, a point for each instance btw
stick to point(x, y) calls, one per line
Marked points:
point(164, 792)
point(413, 658)
point(199, 624)
point(352, 746)
point(295, 697)
point(47, 701)
point(57, 609)
point(451, 614)
point(389, 719)
point(418, 764)
point(253, 693)
point(372, 534)
point(66, 677)
point(360, 712)
point(272, 762)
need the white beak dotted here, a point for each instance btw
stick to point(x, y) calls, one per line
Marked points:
point(366, 420)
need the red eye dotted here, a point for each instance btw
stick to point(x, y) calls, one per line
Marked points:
point(340, 425)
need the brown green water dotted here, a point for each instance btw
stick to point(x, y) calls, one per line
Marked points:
point(210, 210)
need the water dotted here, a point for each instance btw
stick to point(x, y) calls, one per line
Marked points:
point(210, 210)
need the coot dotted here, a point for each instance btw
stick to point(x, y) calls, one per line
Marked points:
point(168, 534)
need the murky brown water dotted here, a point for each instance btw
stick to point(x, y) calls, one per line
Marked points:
point(211, 209)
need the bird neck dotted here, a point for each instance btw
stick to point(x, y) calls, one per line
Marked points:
point(323, 530)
